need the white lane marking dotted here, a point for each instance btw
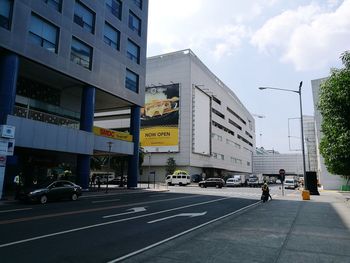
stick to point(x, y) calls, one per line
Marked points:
point(180, 234)
point(173, 216)
point(157, 195)
point(106, 223)
point(133, 210)
point(112, 194)
point(15, 210)
point(105, 201)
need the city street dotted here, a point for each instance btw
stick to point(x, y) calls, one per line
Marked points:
point(102, 228)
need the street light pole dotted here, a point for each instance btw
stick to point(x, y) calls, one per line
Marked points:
point(109, 162)
point(149, 168)
point(301, 124)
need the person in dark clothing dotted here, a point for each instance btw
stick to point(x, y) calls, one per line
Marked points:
point(265, 193)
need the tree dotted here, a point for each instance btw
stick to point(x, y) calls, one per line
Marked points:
point(334, 106)
point(171, 165)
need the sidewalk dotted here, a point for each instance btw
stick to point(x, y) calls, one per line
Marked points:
point(283, 230)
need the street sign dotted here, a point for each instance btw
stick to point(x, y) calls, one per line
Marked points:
point(7, 146)
point(2, 161)
point(7, 131)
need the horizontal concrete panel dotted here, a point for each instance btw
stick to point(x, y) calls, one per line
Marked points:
point(117, 146)
point(41, 135)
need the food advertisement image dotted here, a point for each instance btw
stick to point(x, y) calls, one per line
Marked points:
point(160, 119)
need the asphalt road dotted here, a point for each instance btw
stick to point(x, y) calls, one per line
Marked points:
point(109, 228)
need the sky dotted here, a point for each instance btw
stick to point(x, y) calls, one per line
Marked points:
point(253, 43)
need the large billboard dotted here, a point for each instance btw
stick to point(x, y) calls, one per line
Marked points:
point(201, 116)
point(160, 119)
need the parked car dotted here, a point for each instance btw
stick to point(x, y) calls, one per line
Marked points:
point(290, 184)
point(196, 178)
point(255, 180)
point(233, 182)
point(212, 182)
point(116, 180)
point(52, 191)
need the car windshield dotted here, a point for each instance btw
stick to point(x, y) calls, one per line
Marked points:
point(289, 181)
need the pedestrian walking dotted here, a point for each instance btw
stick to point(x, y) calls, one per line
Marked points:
point(98, 179)
point(17, 180)
point(265, 193)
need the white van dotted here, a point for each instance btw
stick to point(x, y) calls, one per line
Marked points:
point(290, 184)
point(103, 176)
point(179, 179)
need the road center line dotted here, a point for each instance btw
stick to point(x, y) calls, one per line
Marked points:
point(107, 223)
point(180, 234)
point(15, 210)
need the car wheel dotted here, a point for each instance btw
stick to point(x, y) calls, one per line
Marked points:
point(74, 197)
point(202, 185)
point(180, 184)
point(43, 199)
point(217, 186)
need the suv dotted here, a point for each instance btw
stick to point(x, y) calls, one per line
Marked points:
point(215, 182)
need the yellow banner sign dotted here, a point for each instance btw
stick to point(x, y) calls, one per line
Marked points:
point(159, 136)
point(112, 134)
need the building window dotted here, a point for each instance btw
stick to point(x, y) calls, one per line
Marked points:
point(56, 4)
point(138, 3)
point(218, 113)
point(84, 17)
point(115, 6)
point(43, 33)
point(236, 115)
point(234, 124)
point(132, 81)
point(134, 23)
point(81, 53)
point(6, 7)
point(216, 137)
point(216, 100)
point(111, 36)
point(133, 51)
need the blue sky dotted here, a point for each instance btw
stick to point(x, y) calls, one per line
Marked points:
point(253, 43)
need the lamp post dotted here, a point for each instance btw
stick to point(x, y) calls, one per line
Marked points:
point(260, 117)
point(301, 124)
point(109, 162)
point(149, 168)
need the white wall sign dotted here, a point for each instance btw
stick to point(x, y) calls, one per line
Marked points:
point(7, 146)
point(7, 131)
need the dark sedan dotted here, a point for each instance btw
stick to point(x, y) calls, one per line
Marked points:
point(214, 182)
point(52, 191)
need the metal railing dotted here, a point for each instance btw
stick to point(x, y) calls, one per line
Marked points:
point(45, 117)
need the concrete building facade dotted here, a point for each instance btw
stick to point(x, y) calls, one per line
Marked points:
point(269, 162)
point(61, 63)
point(216, 133)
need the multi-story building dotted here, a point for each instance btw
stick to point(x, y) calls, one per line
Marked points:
point(269, 162)
point(327, 180)
point(191, 116)
point(61, 62)
point(310, 143)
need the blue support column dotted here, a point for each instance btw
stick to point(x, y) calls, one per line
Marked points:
point(133, 170)
point(83, 169)
point(86, 124)
point(87, 109)
point(9, 65)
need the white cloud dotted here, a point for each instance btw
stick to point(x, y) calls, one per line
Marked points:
point(226, 40)
point(308, 37)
